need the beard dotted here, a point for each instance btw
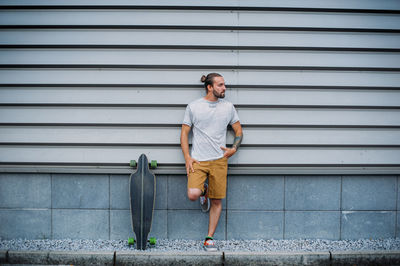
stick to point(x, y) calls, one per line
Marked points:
point(219, 95)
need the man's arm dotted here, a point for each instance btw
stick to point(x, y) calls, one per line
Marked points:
point(237, 128)
point(185, 148)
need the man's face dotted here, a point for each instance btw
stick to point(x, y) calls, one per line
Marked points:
point(218, 87)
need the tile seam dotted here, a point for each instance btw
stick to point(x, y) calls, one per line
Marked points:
point(284, 209)
point(51, 207)
point(396, 213)
point(109, 207)
point(226, 209)
point(340, 207)
point(167, 207)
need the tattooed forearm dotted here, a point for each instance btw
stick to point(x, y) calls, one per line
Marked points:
point(237, 141)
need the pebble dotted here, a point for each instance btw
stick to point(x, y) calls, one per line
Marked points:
point(179, 245)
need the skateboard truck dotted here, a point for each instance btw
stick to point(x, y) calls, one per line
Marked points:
point(152, 241)
point(153, 164)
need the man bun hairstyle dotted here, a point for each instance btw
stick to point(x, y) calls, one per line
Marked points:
point(209, 79)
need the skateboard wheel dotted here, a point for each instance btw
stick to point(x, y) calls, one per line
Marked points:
point(131, 241)
point(153, 164)
point(132, 163)
point(152, 240)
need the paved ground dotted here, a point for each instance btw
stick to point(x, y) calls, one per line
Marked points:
point(199, 258)
point(189, 252)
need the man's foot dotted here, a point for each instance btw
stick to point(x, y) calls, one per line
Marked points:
point(204, 200)
point(209, 244)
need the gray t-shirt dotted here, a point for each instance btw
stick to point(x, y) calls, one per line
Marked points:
point(209, 121)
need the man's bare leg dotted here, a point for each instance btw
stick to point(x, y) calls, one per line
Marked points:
point(215, 213)
point(215, 210)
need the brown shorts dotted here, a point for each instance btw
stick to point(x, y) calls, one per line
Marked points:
point(216, 172)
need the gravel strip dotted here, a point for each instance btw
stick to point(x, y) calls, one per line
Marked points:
point(164, 245)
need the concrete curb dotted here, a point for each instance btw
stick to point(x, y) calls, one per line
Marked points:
point(365, 257)
point(167, 258)
point(3, 256)
point(61, 257)
point(277, 258)
point(27, 257)
point(200, 258)
point(82, 258)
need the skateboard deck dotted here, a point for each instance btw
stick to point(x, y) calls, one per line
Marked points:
point(142, 191)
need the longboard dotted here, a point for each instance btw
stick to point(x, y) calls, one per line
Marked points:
point(142, 191)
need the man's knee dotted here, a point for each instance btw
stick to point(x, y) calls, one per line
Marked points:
point(216, 202)
point(193, 193)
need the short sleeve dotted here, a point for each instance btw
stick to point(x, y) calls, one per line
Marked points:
point(234, 116)
point(187, 119)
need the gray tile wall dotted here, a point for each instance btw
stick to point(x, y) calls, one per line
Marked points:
point(36, 206)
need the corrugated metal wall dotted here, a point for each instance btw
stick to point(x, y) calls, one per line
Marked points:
point(86, 86)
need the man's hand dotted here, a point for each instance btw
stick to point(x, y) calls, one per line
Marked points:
point(189, 164)
point(228, 152)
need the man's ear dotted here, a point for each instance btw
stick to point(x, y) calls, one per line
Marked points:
point(209, 87)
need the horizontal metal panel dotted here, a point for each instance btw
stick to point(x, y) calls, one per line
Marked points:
point(313, 39)
point(146, 37)
point(200, 18)
point(201, 37)
point(193, 28)
point(372, 4)
point(306, 96)
point(317, 19)
point(333, 78)
point(195, 67)
point(171, 135)
point(116, 76)
point(114, 115)
point(199, 57)
point(345, 4)
point(184, 95)
point(140, 57)
point(198, 47)
point(319, 117)
point(139, 135)
point(328, 59)
point(174, 115)
point(182, 76)
point(173, 155)
point(111, 95)
point(179, 170)
point(119, 17)
point(306, 156)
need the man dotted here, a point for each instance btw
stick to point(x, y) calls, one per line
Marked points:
point(209, 117)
